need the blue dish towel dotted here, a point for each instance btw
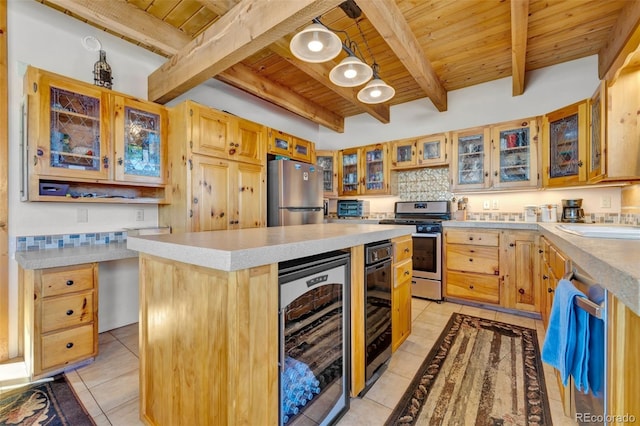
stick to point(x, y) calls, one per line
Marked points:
point(566, 343)
point(596, 345)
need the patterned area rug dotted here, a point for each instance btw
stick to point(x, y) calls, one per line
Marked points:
point(479, 372)
point(52, 403)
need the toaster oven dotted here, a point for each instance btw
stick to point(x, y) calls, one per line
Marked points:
point(353, 209)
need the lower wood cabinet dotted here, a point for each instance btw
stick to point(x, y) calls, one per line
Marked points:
point(61, 317)
point(401, 293)
point(494, 266)
point(472, 265)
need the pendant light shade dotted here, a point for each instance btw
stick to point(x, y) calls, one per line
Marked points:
point(375, 92)
point(350, 72)
point(315, 44)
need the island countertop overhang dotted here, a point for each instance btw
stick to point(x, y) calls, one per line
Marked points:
point(234, 250)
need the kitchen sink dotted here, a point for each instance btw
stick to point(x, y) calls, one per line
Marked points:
point(627, 232)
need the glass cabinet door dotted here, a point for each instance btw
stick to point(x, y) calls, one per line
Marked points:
point(432, 150)
point(328, 167)
point(566, 144)
point(597, 113)
point(75, 134)
point(139, 141)
point(403, 154)
point(349, 179)
point(515, 162)
point(374, 169)
point(470, 170)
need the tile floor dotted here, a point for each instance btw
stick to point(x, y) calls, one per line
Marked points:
point(109, 386)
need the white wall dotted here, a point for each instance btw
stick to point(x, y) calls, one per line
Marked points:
point(546, 90)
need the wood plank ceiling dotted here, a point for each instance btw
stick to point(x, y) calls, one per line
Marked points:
point(424, 48)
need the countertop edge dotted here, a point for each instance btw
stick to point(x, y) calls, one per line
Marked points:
point(53, 258)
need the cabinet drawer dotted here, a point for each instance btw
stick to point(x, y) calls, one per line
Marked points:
point(478, 238)
point(402, 272)
point(403, 249)
point(483, 288)
point(67, 346)
point(67, 280)
point(483, 260)
point(67, 311)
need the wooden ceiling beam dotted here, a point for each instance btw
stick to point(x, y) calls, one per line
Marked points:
point(246, 79)
point(250, 26)
point(219, 7)
point(387, 19)
point(519, 26)
point(128, 20)
point(624, 40)
point(320, 73)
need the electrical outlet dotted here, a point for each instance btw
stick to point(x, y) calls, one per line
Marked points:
point(83, 216)
point(139, 215)
point(486, 204)
point(494, 205)
point(605, 202)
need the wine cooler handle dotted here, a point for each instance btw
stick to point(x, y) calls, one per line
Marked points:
point(282, 344)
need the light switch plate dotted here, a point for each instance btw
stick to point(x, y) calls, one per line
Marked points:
point(605, 202)
point(486, 204)
point(83, 216)
point(494, 205)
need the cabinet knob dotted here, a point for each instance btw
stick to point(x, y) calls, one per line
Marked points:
point(406, 272)
point(69, 282)
point(549, 290)
point(69, 345)
point(521, 290)
point(470, 259)
point(512, 245)
point(406, 250)
point(540, 251)
point(580, 163)
point(495, 173)
point(470, 238)
point(486, 174)
point(70, 312)
point(120, 161)
point(195, 200)
point(544, 277)
point(471, 287)
point(105, 162)
point(232, 151)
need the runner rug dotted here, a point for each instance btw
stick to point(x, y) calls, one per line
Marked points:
point(479, 372)
point(51, 403)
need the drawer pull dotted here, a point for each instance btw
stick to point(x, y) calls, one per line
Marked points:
point(470, 260)
point(544, 277)
point(406, 272)
point(470, 238)
point(69, 282)
point(512, 245)
point(406, 250)
point(521, 291)
point(471, 287)
point(70, 312)
point(549, 290)
point(69, 345)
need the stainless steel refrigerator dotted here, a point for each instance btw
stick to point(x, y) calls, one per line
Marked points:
point(294, 193)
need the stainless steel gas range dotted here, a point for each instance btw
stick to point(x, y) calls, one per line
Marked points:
point(426, 217)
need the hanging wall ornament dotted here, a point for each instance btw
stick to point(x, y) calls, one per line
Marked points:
point(102, 72)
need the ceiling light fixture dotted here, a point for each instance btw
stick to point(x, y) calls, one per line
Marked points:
point(319, 43)
point(315, 44)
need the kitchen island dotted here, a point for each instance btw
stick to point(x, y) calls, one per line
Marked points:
point(209, 318)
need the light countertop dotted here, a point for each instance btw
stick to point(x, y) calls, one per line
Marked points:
point(245, 248)
point(613, 263)
point(52, 258)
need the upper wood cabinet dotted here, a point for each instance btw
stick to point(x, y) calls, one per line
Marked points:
point(91, 144)
point(500, 156)
point(221, 135)
point(597, 143)
point(328, 160)
point(564, 152)
point(364, 170)
point(424, 151)
point(215, 185)
point(285, 145)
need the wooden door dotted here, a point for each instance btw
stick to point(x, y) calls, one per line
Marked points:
point(250, 138)
point(522, 290)
point(211, 205)
point(597, 142)
point(302, 150)
point(212, 132)
point(279, 143)
point(249, 210)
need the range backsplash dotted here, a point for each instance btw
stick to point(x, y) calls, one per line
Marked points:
point(423, 184)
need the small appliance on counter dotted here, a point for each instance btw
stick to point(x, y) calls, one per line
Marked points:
point(353, 209)
point(530, 213)
point(572, 211)
point(549, 212)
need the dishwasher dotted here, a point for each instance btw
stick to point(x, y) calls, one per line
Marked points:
point(590, 408)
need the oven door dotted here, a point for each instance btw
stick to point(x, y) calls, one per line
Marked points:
point(427, 256)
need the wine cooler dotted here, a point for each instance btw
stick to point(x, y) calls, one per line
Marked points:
point(314, 339)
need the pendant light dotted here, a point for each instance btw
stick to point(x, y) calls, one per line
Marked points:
point(315, 44)
point(350, 72)
point(376, 91)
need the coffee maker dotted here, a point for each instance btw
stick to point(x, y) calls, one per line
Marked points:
point(572, 211)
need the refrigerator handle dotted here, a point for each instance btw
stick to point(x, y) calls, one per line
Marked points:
point(302, 209)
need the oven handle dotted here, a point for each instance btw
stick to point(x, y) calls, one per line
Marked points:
point(427, 235)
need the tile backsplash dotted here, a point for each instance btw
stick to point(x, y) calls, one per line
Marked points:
point(423, 184)
point(43, 242)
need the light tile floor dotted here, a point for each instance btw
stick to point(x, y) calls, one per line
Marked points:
point(109, 386)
